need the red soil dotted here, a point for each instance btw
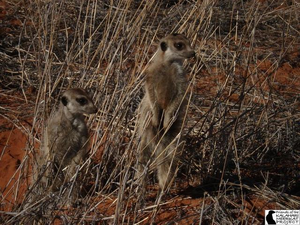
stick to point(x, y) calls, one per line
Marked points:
point(12, 150)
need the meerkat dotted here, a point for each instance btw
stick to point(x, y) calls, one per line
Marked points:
point(66, 138)
point(161, 111)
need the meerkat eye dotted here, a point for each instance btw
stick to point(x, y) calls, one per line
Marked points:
point(64, 100)
point(179, 45)
point(82, 100)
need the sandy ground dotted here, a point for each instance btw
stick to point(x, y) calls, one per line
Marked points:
point(16, 143)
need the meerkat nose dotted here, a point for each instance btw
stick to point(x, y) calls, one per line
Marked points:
point(192, 54)
point(95, 110)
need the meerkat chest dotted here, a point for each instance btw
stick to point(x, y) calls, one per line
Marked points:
point(164, 83)
point(170, 82)
point(165, 94)
point(70, 134)
point(80, 126)
point(166, 91)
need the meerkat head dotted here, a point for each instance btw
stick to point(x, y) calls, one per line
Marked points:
point(176, 47)
point(77, 101)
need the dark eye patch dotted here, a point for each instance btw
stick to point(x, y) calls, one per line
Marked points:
point(64, 100)
point(82, 100)
point(179, 45)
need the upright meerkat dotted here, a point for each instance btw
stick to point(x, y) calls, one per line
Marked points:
point(162, 109)
point(66, 138)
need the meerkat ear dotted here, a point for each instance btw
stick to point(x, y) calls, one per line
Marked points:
point(163, 46)
point(64, 100)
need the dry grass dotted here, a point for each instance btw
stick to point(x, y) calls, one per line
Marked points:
point(242, 134)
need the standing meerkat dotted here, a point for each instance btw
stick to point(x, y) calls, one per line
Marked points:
point(161, 111)
point(66, 138)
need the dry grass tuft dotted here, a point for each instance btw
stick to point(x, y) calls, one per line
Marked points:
point(242, 137)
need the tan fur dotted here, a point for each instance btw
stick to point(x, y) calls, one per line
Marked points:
point(162, 109)
point(65, 140)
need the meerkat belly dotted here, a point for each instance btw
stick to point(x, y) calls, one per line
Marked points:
point(165, 94)
point(68, 143)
